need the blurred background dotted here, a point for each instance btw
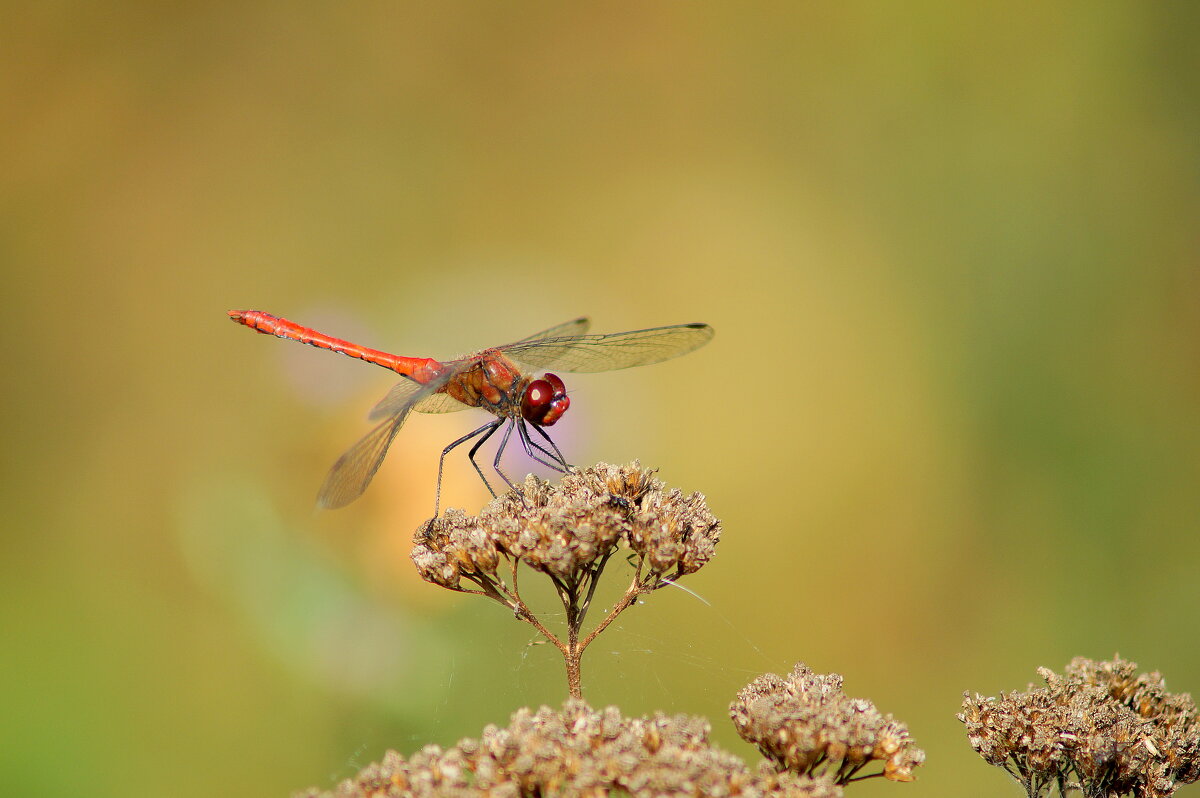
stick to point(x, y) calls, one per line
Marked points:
point(950, 419)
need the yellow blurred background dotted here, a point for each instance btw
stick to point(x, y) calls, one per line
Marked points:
point(950, 419)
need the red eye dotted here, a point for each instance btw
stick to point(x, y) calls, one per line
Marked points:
point(545, 401)
point(536, 401)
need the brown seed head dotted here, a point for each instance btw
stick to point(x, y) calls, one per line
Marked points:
point(568, 528)
point(579, 751)
point(451, 547)
point(806, 724)
point(1099, 723)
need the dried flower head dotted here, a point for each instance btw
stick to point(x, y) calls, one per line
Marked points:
point(1100, 727)
point(578, 752)
point(806, 724)
point(568, 529)
point(568, 532)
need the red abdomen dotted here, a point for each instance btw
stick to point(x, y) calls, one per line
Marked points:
point(421, 369)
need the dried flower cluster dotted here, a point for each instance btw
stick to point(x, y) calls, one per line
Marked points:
point(806, 724)
point(568, 532)
point(578, 752)
point(1100, 728)
point(569, 529)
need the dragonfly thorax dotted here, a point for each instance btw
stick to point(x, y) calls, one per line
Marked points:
point(496, 384)
point(545, 400)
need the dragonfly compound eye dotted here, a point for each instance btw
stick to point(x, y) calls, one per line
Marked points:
point(545, 401)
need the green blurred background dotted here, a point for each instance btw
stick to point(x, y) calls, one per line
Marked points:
point(951, 417)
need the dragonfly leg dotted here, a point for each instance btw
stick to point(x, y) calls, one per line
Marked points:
point(529, 445)
point(496, 462)
point(558, 454)
point(492, 427)
point(487, 430)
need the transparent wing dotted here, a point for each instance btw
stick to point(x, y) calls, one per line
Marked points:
point(587, 353)
point(567, 329)
point(403, 393)
point(353, 471)
point(439, 403)
point(395, 400)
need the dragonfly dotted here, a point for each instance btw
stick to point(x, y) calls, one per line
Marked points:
point(491, 379)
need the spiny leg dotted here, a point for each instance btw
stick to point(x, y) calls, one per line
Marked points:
point(556, 456)
point(496, 461)
point(553, 445)
point(488, 429)
point(529, 445)
point(495, 425)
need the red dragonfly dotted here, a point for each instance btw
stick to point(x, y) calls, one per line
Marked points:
point(490, 379)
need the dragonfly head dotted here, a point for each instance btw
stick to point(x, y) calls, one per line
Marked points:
point(545, 400)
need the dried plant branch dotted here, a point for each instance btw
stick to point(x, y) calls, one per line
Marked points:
point(569, 532)
point(816, 738)
point(625, 601)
